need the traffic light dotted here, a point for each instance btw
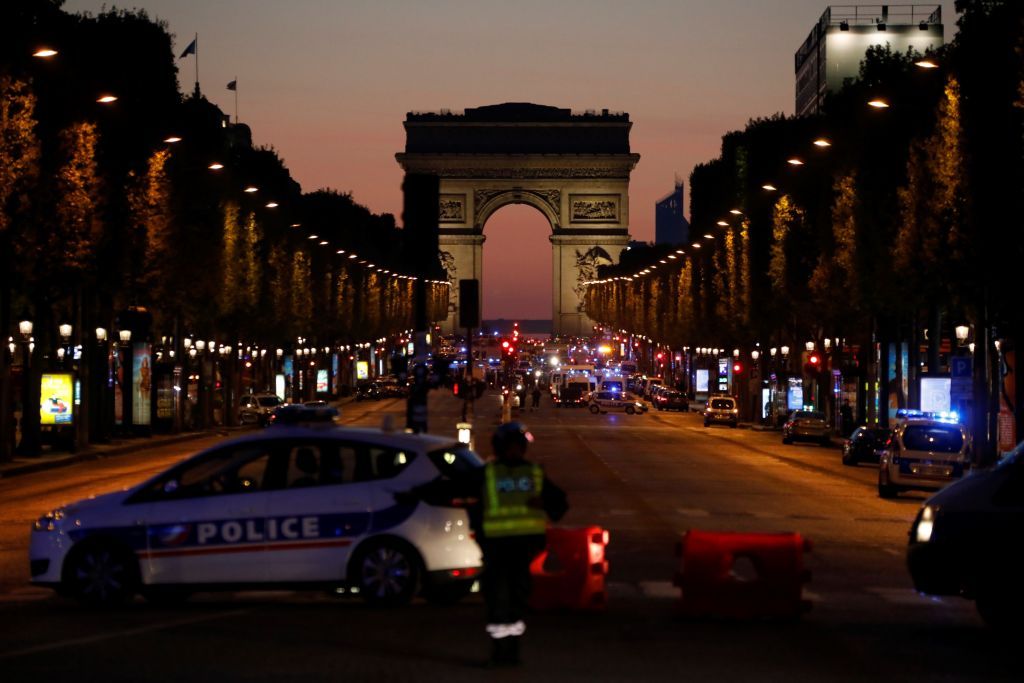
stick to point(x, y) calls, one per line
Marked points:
point(814, 359)
point(813, 364)
point(457, 388)
point(737, 368)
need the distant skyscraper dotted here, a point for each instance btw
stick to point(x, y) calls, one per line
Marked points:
point(670, 225)
point(837, 44)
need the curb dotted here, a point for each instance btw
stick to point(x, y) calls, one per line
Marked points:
point(96, 454)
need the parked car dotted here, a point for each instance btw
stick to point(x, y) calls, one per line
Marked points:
point(369, 391)
point(649, 384)
point(923, 454)
point(721, 410)
point(807, 425)
point(257, 408)
point(295, 507)
point(965, 541)
point(611, 401)
point(670, 399)
point(864, 445)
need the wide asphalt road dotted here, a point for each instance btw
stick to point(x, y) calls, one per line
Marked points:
point(644, 478)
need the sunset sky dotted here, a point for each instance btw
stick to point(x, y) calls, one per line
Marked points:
point(327, 83)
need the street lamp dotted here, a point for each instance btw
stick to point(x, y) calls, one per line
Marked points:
point(101, 334)
point(755, 354)
point(125, 336)
point(44, 53)
point(735, 353)
point(772, 351)
point(200, 345)
point(809, 346)
point(65, 331)
point(878, 103)
point(106, 99)
point(961, 332)
point(785, 350)
point(25, 327)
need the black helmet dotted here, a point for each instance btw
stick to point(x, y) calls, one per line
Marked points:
point(508, 434)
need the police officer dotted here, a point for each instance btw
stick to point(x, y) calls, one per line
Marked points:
point(509, 501)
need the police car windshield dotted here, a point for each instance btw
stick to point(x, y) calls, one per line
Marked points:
point(269, 401)
point(935, 438)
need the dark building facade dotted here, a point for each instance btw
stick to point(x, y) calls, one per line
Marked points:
point(670, 225)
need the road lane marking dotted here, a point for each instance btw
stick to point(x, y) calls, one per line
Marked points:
point(693, 512)
point(100, 637)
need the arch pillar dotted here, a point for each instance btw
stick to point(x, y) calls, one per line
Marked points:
point(575, 260)
point(462, 257)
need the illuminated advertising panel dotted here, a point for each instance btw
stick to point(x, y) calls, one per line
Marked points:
point(56, 393)
point(321, 381)
point(142, 385)
point(279, 384)
point(362, 369)
point(702, 380)
point(935, 394)
point(795, 395)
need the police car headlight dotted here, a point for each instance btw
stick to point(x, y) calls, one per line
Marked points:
point(48, 521)
point(925, 525)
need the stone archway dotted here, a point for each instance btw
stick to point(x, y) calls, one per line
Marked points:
point(573, 168)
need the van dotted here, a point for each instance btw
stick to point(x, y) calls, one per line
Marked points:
point(721, 410)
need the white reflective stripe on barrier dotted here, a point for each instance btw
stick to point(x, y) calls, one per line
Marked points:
point(498, 631)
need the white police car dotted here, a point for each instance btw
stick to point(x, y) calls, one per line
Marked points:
point(296, 506)
point(926, 452)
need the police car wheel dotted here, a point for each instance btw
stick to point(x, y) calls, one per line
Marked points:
point(886, 489)
point(595, 409)
point(101, 574)
point(387, 572)
point(630, 410)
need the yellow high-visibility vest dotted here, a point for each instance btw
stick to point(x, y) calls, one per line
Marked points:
point(507, 491)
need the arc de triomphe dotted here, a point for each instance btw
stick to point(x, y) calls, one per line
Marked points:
point(573, 168)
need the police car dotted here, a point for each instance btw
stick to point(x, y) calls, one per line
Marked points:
point(303, 506)
point(926, 452)
point(966, 541)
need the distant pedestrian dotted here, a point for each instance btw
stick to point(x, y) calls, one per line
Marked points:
point(846, 416)
point(536, 398)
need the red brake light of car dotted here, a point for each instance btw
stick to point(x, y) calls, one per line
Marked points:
point(467, 573)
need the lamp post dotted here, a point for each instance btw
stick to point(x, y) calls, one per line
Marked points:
point(30, 444)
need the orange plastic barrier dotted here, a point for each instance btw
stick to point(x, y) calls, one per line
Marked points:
point(742, 576)
point(570, 573)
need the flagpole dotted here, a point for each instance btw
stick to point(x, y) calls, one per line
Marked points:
point(236, 100)
point(197, 65)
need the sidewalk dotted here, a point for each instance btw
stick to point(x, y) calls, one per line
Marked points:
point(51, 460)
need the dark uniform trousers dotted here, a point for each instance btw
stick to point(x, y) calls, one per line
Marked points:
point(506, 578)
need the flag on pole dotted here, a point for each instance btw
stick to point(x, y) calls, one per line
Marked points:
point(233, 85)
point(190, 50)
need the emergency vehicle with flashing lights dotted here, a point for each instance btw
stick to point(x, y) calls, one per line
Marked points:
point(926, 452)
point(965, 541)
point(298, 506)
